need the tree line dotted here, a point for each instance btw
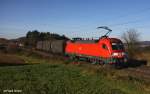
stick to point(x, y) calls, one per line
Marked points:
point(32, 37)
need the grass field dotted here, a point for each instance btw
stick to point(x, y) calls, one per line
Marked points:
point(47, 76)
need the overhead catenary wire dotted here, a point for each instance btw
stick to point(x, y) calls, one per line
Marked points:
point(133, 13)
point(129, 14)
point(125, 23)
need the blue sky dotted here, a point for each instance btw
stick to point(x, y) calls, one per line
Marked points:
point(74, 17)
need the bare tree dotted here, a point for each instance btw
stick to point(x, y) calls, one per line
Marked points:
point(131, 40)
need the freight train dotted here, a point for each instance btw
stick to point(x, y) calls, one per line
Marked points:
point(104, 50)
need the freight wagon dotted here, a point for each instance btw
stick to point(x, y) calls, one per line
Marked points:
point(52, 46)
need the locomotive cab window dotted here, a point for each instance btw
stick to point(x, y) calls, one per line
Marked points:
point(104, 46)
point(117, 46)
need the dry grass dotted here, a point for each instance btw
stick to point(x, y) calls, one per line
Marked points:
point(10, 59)
point(147, 57)
point(144, 56)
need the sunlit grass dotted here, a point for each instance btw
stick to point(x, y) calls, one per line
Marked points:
point(48, 76)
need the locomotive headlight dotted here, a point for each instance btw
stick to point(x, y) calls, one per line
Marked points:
point(123, 53)
point(119, 54)
point(115, 54)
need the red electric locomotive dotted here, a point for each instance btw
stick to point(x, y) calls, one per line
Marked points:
point(104, 50)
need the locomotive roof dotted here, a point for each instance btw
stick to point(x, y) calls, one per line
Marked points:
point(85, 41)
point(96, 40)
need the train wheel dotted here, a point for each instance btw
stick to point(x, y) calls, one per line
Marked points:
point(100, 62)
point(117, 65)
point(69, 59)
point(73, 59)
point(94, 61)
